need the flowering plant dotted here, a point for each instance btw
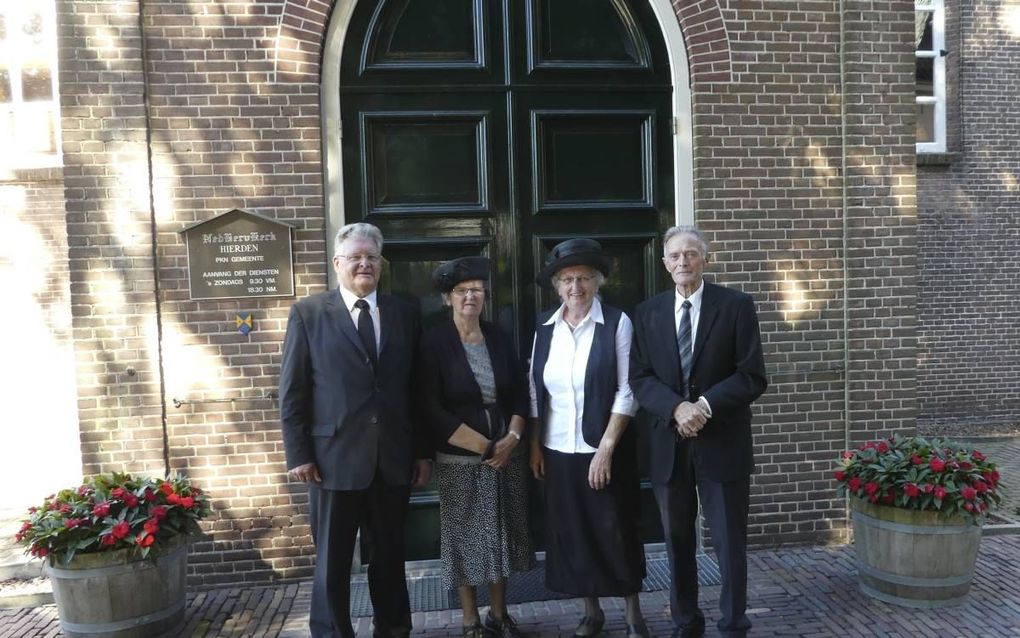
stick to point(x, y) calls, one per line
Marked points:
point(110, 512)
point(914, 473)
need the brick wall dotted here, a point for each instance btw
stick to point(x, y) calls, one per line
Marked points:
point(234, 121)
point(36, 378)
point(969, 229)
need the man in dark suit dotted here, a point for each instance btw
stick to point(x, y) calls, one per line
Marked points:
point(696, 366)
point(345, 394)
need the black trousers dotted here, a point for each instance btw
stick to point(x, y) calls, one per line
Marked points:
point(726, 507)
point(380, 510)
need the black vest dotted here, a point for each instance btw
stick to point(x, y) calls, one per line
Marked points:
point(600, 384)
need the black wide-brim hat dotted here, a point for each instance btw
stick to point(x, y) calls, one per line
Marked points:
point(573, 252)
point(452, 272)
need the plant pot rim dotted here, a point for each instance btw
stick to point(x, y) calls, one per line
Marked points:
point(905, 515)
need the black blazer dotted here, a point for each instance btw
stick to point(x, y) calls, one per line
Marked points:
point(448, 392)
point(336, 410)
point(728, 369)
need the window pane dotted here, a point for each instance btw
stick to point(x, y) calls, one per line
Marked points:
point(5, 85)
point(924, 77)
point(35, 130)
point(33, 28)
point(36, 85)
point(922, 29)
point(925, 122)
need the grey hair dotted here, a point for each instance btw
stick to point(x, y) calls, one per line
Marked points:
point(693, 231)
point(358, 230)
point(598, 276)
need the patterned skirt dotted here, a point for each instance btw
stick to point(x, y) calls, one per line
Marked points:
point(483, 519)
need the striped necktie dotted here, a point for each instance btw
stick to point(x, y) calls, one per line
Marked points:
point(683, 342)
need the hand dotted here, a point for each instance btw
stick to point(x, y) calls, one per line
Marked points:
point(600, 469)
point(307, 473)
point(421, 473)
point(689, 419)
point(537, 462)
point(501, 452)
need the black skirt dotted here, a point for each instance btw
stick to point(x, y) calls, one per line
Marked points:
point(592, 537)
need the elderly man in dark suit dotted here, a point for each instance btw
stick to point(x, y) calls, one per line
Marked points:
point(696, 365)
point(345, 395)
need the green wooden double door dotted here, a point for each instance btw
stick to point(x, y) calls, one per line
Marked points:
point(500, 128)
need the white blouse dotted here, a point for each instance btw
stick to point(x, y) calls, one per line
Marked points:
point(564, 378)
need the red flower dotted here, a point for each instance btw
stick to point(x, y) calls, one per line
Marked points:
point(121, 530)
point(882, 447)
point(928, 488)
point(187, 502)
point(107, 540)
point(911, 490)
point(969, 507)
point(937, 465)
point(871, 488)
point(964, 465)
point(977, 456)
point(66, 509)
point(916, 460)
point(149, 495)
point(71, 523)
point(145, 540)
point(940, 492)
point(101, 509)
point(982, 506)
point(981, 487)
point(39, 551)
point(968, 493)
point(840, 475)
point(854, 484)
point(173, 499)
point(118, 493)
point(151, 526)
point(25, 527)
point(158, 513)
point(131, 500)
point(166, 488)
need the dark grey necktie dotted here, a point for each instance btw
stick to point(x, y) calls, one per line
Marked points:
point(367, 330)
point(683, 342)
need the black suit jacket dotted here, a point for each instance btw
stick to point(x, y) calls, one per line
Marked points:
point(336, 410)
point(728, 369)
point(449, 392)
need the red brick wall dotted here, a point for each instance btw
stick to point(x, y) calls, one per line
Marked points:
point(969, 230)
point(235, 122)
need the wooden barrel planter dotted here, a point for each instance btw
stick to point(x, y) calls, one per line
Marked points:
point(912, 558)
point(108, 595)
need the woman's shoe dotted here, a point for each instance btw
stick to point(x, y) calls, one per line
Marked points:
point(590, 625)
point(475, 630)
point(638, 630)
point(505, 627)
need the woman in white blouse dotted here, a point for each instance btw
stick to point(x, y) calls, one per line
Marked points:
point(581, 445)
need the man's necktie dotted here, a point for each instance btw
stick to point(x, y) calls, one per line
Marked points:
point(367, 330)
point(683, 342)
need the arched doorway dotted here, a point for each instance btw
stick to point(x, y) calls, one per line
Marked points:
point(502, 127)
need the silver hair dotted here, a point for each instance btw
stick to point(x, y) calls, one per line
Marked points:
point(693, 231)
point(358, 230)
point(597, 274)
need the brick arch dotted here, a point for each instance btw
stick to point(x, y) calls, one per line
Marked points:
point(303, 26)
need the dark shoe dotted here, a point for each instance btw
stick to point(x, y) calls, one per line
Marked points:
point(640, 630)
point(505, 627)
point(590, 625)
point(694, 630)
point(475, 631)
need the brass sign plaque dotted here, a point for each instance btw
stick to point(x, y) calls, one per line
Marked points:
point(240, 255)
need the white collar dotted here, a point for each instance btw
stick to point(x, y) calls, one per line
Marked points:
point(695, 298)
point(349, 299)
point(594, 313)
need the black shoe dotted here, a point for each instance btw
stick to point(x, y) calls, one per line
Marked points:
point(590, 625)
point(505, 627)
point(639, 630)
point(694, 630)
point(475, 630)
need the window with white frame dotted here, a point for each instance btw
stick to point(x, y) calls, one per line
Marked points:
point(930, 79)
point(29, 102)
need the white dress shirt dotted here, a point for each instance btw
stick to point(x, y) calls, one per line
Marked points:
point(564, 378)
point(373, 309)
point(695, 312)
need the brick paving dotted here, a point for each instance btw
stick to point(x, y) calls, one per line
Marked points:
point(796, 592)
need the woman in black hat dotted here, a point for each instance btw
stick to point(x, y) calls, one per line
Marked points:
point(474, 397)
point(581, 445)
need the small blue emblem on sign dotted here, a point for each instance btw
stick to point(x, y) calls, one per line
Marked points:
point(244, 322)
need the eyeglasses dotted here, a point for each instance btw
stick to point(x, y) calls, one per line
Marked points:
point(357, 259)
point(464, 292)
point(584, 280)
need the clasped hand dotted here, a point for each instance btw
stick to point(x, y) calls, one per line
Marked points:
point(501, 452)
point(690, 418)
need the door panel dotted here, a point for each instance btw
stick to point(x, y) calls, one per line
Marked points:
point(500, 128)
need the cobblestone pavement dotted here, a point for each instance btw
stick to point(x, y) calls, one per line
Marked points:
point(796, 592)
